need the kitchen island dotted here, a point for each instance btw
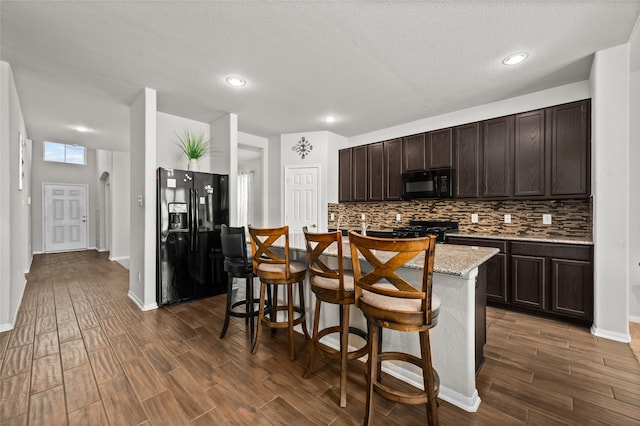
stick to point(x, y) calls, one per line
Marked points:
point(458, 270)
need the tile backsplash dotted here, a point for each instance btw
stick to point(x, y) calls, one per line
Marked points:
point(569, 218)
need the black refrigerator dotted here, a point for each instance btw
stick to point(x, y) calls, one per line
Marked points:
point(192, 207)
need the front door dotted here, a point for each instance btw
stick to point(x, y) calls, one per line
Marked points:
point(65, 217)
point(301, 198)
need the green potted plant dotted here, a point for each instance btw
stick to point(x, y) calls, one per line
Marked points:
point(194, 146)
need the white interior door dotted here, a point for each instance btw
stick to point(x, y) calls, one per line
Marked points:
point(65, 217)
point(301, 198)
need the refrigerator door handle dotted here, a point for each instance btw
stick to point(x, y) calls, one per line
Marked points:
point(192, 225)
point(195, 225)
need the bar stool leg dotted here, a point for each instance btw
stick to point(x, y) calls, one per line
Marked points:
point(226, 315)
point(314, 340)
point(274, 307)
point(250, 307)
point(371, 364)
point(292, 349)
point(344, 353)
point(256, 342)
point(304, 311)
point(427, 378)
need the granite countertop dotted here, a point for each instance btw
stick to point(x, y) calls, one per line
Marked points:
point(534, 239)
point(450, 258)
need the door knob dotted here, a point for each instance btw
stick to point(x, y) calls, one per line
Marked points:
point(314, 226)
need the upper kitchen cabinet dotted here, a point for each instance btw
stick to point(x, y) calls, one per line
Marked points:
point(344, 175)
point(467, 161)
point(497, 143)
point(359, 173)
point(375, 162)
point(570, 169)
point(393, 169)
point(439, 149)
point(529, 154)
point(413, 153)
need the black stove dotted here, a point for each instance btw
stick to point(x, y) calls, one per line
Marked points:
point(422, 228)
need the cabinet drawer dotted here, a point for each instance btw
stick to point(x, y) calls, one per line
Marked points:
point(466, 241)
point(561, 251)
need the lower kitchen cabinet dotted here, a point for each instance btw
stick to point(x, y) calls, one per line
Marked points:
point(548, 279)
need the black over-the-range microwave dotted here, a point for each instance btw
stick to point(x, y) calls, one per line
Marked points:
point(435, 183)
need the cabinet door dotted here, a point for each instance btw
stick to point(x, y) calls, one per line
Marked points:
point(393, 169)
point(570, 149)
point(359, 173)
point(497, 143)
point(375, 160)
point(439, 149)
point(572, 288)
point(529, 154)
point(497, 278)
point(344, 175)
point(528, 281)
point(413, 153)
point(467, 161)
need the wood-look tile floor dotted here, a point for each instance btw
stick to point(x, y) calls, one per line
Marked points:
point(83, 353)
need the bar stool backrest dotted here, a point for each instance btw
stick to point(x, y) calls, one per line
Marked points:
point(234, 244)
point(317, 244)
point(262, 240)
point(386, 256)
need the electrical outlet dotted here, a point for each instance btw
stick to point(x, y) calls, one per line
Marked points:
point(332, 217)
point(362, 216)
point(398, 217)
point(546, 219)
point(474, 218)
point(139, 276)
point(507, 218)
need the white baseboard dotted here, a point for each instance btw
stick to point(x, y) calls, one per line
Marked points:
point(122, 260)
point(141, 305)
point(611, 335)
point(38, 252)
point(633, 318)
point(101, 250)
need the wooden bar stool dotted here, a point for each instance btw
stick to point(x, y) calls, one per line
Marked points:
point(274, 270)
point(389, 301)
point(237, 265)
point(331, 285)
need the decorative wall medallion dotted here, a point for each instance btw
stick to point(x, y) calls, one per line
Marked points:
point(303, 147)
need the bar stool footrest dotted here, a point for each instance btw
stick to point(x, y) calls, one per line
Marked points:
point(331, 353)
point(413, 398)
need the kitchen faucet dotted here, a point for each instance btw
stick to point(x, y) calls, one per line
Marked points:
point(341, 217)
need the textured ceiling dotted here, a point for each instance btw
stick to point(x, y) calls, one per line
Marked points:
point(372, 64)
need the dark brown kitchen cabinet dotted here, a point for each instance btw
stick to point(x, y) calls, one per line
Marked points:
point(528, 281)
point(497, 143)
point(529, 154)
point(439, 149)
point(496, 267)
point(413, 153)
point(344, 175)
point(359, 173)
point(393, 169)
point(467, 161)
point(570, 169)
point(375, 171)
point(572, 287)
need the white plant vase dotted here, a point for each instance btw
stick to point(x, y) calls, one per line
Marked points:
point(193, 165)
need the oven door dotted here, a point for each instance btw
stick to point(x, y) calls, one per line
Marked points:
point(421, 184)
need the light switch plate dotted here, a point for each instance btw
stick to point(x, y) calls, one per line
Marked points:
point(546, 219)
point(398, 217)
point(474, 218)
point(332, 217)
point(507, 218)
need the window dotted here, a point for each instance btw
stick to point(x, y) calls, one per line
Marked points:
point(245, 199)
point(61, 153)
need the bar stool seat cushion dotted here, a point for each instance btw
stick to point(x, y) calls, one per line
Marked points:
point(333, 283)
point(395, 304)
point(237, 266)
point(295, 267)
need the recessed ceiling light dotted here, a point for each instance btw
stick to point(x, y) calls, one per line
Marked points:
point(236, 81)
point(330, 119)
point(516, 58)
point(81, 129)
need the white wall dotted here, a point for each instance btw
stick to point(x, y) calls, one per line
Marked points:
point(610, 185)
point(142, 264)
point(121, 208)
point(224, 157)
point(52, 172)
point(104, 160)
point(15, 234)
point(634, 178)
point(275, 177)
point(168, 154)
